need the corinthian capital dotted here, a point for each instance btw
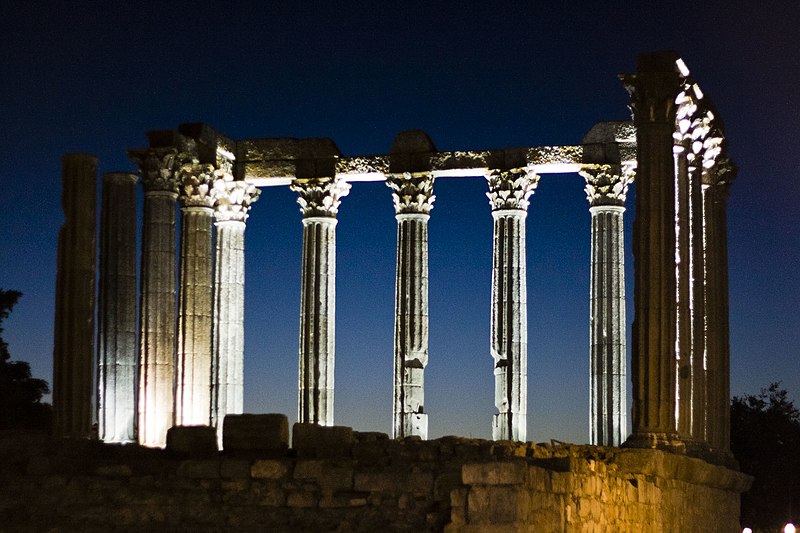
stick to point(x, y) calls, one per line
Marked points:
point(412, 192)
point(196, 180)
point(320, 197)
point(606, 184)
point(653, 95)
point(158, 167)
point(510, 189)
point(232, 199)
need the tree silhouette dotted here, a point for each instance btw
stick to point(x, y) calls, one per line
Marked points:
point(765, 438)
point(20, 394)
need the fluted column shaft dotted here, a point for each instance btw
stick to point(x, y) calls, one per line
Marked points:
point(683, 316)
point(716, 302)
point(319, 200)
point(116, 358)
point(232, 204)
point(698, 429)
point(193, 398)
point(508, 195)
point(229, 319)
point(73, 346)
point(413, 200)
point(606, 188)
point(157, 295)
point(653, 90)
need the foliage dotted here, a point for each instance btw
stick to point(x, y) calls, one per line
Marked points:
point(20, 393)
point(765, 438)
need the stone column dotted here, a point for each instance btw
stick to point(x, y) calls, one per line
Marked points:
point(116, 316)
point(73, 338)
point(508, 194)
point(653, 91)
point(319, 202)
point(232, 206)
point(157, 295)
point(717, 181)
point(413, 200)
point(606, 187)
point(684, 355)
point(193, 399)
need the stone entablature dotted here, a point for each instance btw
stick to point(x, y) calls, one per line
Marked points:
point(276, 162)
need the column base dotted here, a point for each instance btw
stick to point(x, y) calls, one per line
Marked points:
point(518, 430)
point(703, 450)
point(660, 441)
point(415, 424)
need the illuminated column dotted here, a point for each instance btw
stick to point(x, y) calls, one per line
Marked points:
point(653, 91)
point(116, 315)
point(157, 295)
point(232, 206)
point(193, 400)
point(319, 202)
point(73, 338)
point(508, 194)
point(606, 187)
point(698, 317)
point(715, 192)
point(684, 356)
point(413, 201)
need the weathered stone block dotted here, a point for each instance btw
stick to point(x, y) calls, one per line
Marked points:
point(387, 481)
point(496, 505)
point(308, 469)
point(311, 440)
point(302, 499)
point(113, 470)
point(265, 434)
point(234, 468)
point(503, 473)
point(199, 468)
point(444, 485)
point(269, 469)
point(192, 440)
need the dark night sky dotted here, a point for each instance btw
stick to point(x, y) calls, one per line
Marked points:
point(94, 78)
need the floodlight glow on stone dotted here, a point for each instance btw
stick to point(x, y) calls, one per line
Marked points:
point(682, 68)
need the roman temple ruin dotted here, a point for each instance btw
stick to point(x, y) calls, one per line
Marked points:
point(183, 365)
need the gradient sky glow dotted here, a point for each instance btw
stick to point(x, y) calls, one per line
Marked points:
point(94, 77)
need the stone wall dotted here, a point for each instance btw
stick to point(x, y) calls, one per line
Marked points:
point(335, 479)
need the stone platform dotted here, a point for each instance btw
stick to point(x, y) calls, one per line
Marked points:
point(335, 479)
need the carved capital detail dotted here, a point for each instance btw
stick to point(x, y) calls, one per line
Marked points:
point(233, 199)
point(607, 184)
point(196, 180)
point(412, 192)
point(721, 174)
point(158, 167)
point(653, 96)
point(320, 197)
point(510, 189)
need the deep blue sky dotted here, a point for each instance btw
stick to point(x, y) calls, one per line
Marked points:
point(80, 76)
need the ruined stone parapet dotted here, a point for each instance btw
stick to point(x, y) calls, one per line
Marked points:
point(339, 478)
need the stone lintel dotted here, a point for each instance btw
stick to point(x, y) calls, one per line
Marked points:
point(210, 143)
point(277, 161)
